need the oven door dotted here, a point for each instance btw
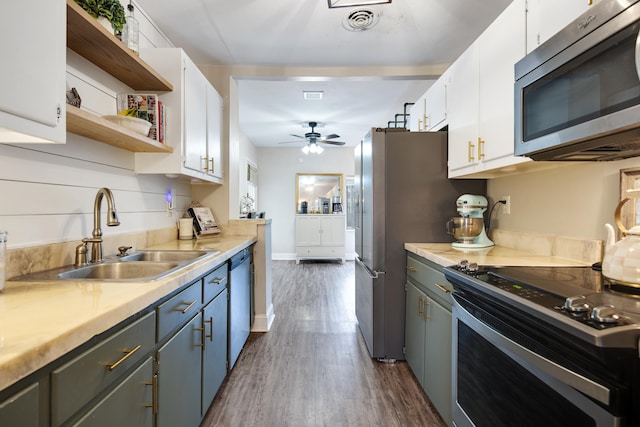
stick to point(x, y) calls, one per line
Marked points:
point(498, 382)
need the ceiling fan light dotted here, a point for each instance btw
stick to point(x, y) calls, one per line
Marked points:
point(305, 149)
point(313, 148)
point(319, 150)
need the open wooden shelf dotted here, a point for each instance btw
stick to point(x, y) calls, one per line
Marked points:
point(92, 41)
point(92, 126)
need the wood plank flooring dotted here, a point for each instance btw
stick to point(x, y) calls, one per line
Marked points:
point(313, 369)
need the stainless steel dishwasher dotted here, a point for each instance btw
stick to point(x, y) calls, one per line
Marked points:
point(239, 303)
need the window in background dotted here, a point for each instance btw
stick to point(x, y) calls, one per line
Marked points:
point(349, 202)
point(252, 183)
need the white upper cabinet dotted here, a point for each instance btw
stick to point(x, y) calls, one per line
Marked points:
point(214, 133)
point(480, 99)
point(546, 17)
point(32, 77)
point(193, 120)
point(429, 112)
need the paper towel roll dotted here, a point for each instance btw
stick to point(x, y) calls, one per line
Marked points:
point(185, 228)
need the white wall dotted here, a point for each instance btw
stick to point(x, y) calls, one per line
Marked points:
point(277, 169)
point(574, 200)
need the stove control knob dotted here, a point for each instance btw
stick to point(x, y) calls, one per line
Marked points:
point(605, 314)
point(473, 267)
point(576, 304)
point(462, 265)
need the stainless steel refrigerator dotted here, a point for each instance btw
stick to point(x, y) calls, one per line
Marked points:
point(402, 194)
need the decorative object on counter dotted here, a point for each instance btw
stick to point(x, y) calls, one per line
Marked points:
point(134, 124)
point(469, 229)
point(247, 206)
point(131, 31)
point(204, 223)
point(146, 107)
point(73, 97)
point(621, 263)
point(3, 258)
point(185, 228)
point(111, 10)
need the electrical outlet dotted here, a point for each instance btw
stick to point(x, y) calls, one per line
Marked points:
point(506, 208)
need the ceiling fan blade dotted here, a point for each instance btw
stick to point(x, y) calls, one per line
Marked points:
point(331, 136)
point(333, 142)
point(290, 142)
point(297, 136)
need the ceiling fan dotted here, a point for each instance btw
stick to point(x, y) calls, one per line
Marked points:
point(313, 138)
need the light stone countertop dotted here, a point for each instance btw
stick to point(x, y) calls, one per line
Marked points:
point(41, 321)
point(446, 255)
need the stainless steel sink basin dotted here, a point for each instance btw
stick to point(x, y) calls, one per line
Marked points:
point(139, 266)
point(133, 270)
point(164, 256)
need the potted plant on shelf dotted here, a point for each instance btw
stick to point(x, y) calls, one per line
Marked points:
point(111, 10)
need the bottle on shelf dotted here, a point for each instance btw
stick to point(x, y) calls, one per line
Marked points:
point(131, 30)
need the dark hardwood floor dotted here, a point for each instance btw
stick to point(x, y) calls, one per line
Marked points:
point(312, 368)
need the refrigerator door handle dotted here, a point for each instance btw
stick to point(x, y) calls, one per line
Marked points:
point(373, 274)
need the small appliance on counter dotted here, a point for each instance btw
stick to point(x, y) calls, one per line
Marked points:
point(336, 204)
point(468, 228)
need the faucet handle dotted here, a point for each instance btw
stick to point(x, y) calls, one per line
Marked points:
point(123, 250)
point(81, 255)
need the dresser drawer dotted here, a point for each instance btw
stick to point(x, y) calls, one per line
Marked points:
point(177, 311)
point(429, 279)
point(320, 251)
point(214, 283)
point(78, 381)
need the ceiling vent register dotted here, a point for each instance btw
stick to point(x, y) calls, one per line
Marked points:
point(360, 20)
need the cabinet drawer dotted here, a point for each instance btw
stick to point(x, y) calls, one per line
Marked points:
point(179, 309)
point(21, 409)
point(432, 281)
point(320, 251)
point(214, 283)
point(77, 382)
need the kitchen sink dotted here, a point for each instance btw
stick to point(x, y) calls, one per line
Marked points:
point(164, 256)
point(138, 266)
point(133, 270)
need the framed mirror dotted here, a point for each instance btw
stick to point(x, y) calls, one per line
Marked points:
point(317, 193)
point(630, 180)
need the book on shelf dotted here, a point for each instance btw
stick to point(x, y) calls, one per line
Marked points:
point(147, 108)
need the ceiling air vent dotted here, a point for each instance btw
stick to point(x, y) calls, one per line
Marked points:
point(360, 20)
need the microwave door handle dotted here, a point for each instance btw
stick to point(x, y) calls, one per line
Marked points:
point(638, 55)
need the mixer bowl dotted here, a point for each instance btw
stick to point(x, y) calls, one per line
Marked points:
point(465, 228)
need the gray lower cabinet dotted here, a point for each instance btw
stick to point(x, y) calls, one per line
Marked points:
point(179, 377)
point(22, 408)
point(428, 331)
point(93, 372)
point(130, 404)
point(214, 351)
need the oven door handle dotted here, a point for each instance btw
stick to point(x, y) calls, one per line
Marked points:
point(525, 356)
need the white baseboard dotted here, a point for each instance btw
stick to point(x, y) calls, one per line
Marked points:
point(263, 322)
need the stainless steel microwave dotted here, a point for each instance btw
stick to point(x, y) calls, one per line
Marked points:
point(577, 96)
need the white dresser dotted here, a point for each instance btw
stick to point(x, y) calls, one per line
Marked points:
point(320, 236)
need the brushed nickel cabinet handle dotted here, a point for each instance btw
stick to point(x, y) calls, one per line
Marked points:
point(411, 269)
point(127, 354)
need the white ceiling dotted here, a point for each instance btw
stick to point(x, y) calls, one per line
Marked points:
point(409, 34)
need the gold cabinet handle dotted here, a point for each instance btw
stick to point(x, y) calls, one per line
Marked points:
point(420, 307)
point(480, 148)
point(206, 163)
point(411, 269)
point(212, 165)
point(426, 125)
point(419, 124)
point(470, 152)
point(443, 289)
point(210, 336)
point(188, 307)
point(154, 395)
point(127, 354)
point(424, 312)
